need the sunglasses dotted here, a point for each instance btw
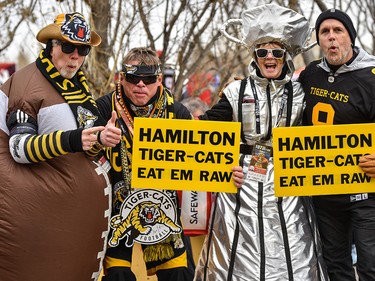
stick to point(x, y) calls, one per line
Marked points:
point(276, 53)
point(68, 48)
point(134, 79)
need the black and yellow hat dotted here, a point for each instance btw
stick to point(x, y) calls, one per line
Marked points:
point(69, 27)
point(337, 15)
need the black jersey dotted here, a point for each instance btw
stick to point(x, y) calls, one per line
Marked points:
point(346, 98)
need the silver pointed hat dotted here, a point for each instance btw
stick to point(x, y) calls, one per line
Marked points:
point(272, 22)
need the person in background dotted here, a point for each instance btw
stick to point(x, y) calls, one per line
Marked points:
point(347, 73)
point(140, 93)
point(195, 105)
point(253, 234)
point(53, 195)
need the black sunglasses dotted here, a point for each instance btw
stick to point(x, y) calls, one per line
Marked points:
point(276, 53)
point(134, 79)
point(68, 48)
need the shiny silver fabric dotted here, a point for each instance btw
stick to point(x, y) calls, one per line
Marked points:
point(258, 205)
point(294, 255)
point(272, 22)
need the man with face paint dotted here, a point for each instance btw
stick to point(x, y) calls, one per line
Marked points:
point(140, 93)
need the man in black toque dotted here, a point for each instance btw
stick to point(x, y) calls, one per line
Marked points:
point(347, 74)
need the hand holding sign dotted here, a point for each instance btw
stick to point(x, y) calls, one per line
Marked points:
point(201, 158)
point(367, 163)
point(319, 160)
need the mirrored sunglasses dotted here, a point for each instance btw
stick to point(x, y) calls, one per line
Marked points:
point(134, 79)
point(276, 53)
point(68, 48)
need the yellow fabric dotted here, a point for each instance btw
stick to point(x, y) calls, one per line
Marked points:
point(112, 262)
point(180, 261)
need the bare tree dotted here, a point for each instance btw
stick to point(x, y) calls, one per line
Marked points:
point(13, 14)
point(365, 24)
point(113, 21)
point(186, 32)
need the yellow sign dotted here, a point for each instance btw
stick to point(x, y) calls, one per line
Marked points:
point(320, 160)
point(185, 154)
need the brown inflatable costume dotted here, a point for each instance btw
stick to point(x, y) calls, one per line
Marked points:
point(53, 198)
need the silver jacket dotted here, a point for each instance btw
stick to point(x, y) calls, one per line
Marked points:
point(277, 237)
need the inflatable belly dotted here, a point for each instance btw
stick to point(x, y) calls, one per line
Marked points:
point(53, 218)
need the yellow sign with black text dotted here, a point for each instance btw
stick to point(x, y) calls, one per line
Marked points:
point(185, 154)
point(322, 160)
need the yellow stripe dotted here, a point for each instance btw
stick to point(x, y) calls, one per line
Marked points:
point(29, 150)
point(54, 75)
point(81, 74)
point(79, 101)
point(51, 145)
point(66, 84)
point(112, 262)
point(58, 143)
point(36, 147)
point(86, 86)
point(74, 97)
point(180, 261)
point(93, 103)
point(170, 101)
point(72, 93)
point(50, 64)
point(45, 146)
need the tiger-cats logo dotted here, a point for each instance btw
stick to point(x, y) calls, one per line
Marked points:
point(147, 217)
point(85, 118)
point(75, 28)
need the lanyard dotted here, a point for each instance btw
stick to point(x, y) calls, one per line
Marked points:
point(284, 99)
point(125, 115)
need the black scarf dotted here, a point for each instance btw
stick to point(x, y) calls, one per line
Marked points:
point(75, 91)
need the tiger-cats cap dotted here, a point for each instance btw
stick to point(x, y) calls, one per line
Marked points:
point(71, 28)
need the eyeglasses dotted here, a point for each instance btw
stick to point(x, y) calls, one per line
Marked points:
point(68, 48)
point(134, 79)
point(276, 53)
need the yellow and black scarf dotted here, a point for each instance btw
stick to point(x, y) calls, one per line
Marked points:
point(75, 91)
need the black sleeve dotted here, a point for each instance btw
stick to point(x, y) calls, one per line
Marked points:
point(71, 141)
point(181, 111)
point(301, 76)
point(105, 106)
point(222, 111)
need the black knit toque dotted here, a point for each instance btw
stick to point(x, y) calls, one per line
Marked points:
point(340, 16)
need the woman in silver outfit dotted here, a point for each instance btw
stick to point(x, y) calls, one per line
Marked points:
point(253, 234)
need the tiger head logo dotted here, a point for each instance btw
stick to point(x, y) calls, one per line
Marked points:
point(75, 28)
point(149, 212)
point(146, 223)
point(85, 118)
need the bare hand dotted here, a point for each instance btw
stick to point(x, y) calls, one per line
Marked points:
point(367, 163)
point(89, 137)
point(237, 176)
point(111, 135)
